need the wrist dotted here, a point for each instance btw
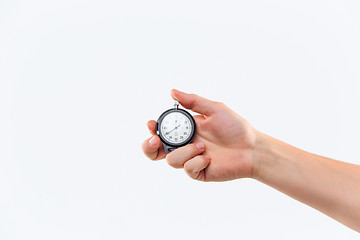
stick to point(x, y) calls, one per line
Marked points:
point(262, 156)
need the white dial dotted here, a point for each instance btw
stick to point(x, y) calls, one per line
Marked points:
point(176, 127)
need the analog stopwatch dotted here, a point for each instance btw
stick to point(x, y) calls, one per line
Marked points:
point(176, 128)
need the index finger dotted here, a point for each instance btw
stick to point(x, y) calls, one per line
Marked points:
point(194, 102)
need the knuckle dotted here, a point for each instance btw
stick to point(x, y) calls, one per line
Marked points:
point(152, 157)
point(194, 98)
point(189, 170)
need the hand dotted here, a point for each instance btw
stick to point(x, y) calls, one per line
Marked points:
point(223, 147)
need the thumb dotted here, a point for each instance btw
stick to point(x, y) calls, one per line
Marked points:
point(194, 102)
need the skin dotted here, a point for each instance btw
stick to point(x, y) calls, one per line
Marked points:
point(227, 147)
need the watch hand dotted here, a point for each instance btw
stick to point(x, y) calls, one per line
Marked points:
point(174, 129)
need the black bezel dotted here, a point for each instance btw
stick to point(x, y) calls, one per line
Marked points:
point(163, 140)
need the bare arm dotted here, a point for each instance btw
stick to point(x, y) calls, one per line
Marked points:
point(330, 186)
point(227, 147)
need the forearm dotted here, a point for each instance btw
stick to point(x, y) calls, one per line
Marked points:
point(330, 186)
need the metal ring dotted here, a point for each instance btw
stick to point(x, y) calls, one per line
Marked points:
point(176, 104)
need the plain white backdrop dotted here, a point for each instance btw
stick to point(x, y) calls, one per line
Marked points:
point(80, 79)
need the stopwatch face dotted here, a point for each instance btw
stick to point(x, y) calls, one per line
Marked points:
point(176, 127)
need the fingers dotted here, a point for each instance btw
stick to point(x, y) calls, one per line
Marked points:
point(151, 146)
point(178, 157)
point(153, 149)
point(194, 167)
point(152, 125)
point(194, 102)
point(187, 157)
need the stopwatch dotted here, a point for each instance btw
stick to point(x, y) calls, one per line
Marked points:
point(175, 128)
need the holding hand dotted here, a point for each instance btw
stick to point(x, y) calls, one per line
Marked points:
point(223, 148)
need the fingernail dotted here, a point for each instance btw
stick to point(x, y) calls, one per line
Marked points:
point(152, 141)
point(200, 145)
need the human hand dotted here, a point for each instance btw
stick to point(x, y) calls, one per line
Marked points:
point(223, 148)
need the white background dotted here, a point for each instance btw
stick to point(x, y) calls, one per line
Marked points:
point(80, 79)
